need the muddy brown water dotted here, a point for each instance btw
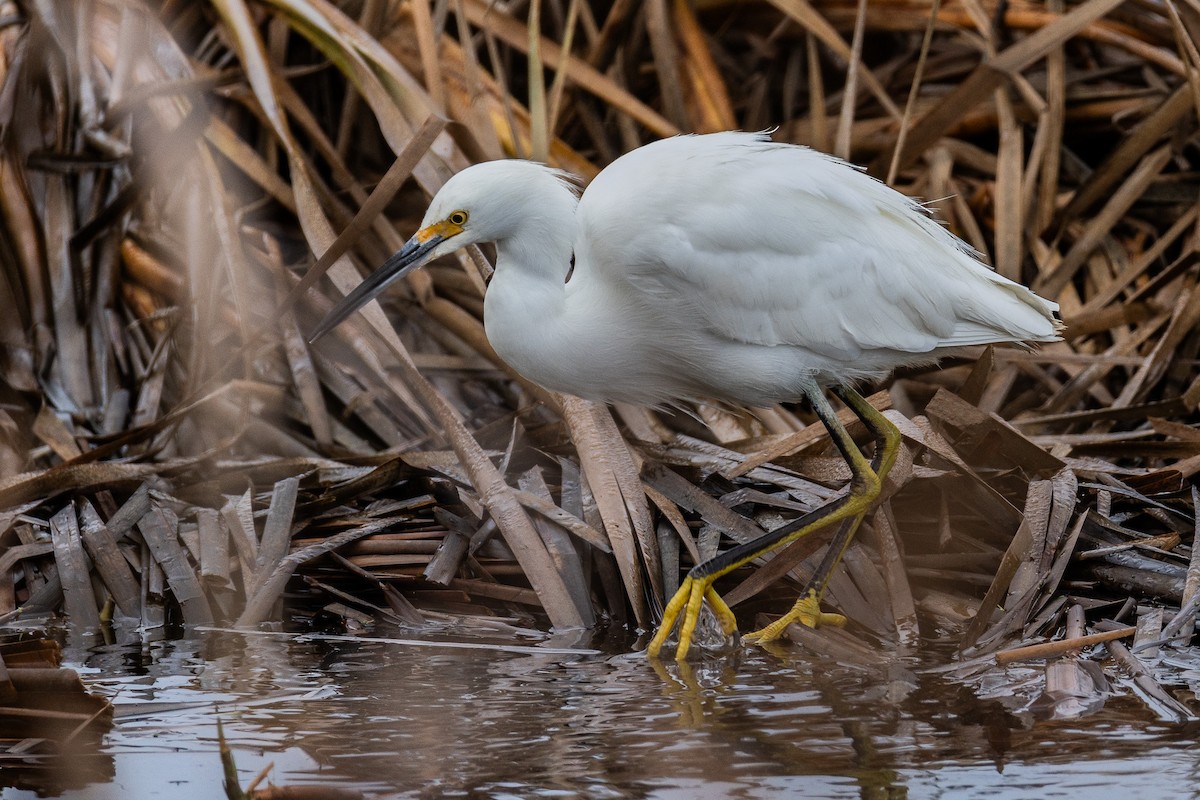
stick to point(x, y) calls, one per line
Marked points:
point(578, 715)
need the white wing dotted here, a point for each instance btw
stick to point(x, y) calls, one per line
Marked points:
point(771, 244)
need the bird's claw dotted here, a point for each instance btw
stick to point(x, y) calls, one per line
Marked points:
point(807, 611)
point(689, 600)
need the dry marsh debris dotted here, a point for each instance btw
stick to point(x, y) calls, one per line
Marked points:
point(171, 172)
point(45, 709)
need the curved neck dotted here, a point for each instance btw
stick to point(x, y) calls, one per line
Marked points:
point(535, 233)
point(525, 308)
point(539, 250)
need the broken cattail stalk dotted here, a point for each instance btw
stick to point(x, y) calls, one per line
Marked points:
point(1060, 647)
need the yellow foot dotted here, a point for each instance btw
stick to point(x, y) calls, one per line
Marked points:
point(807, 611)
point(689, 600)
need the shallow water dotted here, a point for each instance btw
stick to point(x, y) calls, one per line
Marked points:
point(563, 718)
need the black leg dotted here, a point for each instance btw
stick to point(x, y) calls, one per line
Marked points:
point(848, 509)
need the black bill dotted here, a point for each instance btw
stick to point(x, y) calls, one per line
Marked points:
point(413, 254)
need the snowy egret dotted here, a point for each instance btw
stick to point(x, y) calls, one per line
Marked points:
point(721, 267)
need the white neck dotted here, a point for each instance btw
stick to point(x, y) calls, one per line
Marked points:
point(525, 307)
point(573, 337)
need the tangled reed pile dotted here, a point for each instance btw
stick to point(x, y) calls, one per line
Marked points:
point(173, 450)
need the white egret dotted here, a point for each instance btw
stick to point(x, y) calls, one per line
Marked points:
point(721, 267)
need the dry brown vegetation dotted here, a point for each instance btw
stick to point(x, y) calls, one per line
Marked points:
point(173, 448)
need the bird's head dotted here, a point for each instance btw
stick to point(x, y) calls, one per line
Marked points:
point(483, 203)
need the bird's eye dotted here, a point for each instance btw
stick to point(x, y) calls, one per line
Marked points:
point(458, 218)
